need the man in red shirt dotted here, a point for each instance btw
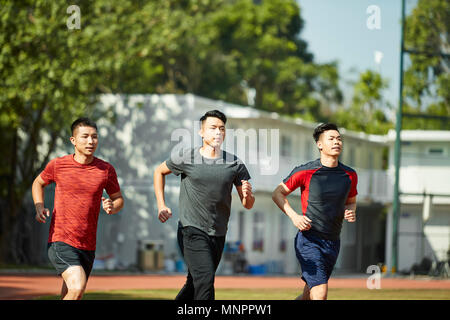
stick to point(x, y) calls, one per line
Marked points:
point(80, 179)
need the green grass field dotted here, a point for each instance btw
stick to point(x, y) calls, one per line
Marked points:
point(272, 294)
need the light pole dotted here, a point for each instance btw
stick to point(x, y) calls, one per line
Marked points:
point(397, 154)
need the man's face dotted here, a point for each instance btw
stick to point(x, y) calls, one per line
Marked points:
point(213, 132)
point(330, 143)
point(85, 140)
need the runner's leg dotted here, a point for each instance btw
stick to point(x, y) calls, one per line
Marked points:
point(319, 292)
point(63, 290)
point(75, 280)
point(305, 295)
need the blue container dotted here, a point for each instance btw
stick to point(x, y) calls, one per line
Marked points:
point(257, 269)
point(179, 266)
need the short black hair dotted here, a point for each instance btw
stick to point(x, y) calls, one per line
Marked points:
point(83, 122)
point(214, 114)
point(322, 128)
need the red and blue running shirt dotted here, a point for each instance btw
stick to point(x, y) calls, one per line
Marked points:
point(78, 193)
point(324, 192)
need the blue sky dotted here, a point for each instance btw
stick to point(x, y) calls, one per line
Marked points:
point(337, 30)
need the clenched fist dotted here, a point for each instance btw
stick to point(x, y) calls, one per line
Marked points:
point(246, 188)
point(41, 213)
point(108, 205)
point(302, 222)
point(350, 215)
point(164, 214)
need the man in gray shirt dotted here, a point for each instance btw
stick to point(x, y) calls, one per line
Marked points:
point(207, 177)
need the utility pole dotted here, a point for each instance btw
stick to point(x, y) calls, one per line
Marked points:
point(397, 154)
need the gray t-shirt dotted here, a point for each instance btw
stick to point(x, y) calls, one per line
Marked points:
point(206, 186)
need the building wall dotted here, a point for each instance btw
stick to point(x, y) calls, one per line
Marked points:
point(266, 232)
point(419, 239)
point(425, 166)
point(145, 130)
point(422, 171)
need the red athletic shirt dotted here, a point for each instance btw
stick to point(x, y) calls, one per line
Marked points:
point(78, 193)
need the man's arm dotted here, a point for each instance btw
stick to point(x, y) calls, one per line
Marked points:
point(37, 191)
point(246, 194)
point(350, 209)
point(279, 196)
point(114, 204)
point(164, 213)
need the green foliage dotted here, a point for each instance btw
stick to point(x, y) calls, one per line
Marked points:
point(218, 49)
point(49, 76)
point(427, 79)
point(367, 109)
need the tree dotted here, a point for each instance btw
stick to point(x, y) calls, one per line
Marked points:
point(49, 76)
point(427, 79)
point(219, 48)
point(367, 111)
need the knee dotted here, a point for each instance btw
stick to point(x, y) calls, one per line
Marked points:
point(206, 279)
point(75, 293)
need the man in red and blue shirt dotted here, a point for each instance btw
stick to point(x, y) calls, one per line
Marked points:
point(328, 195)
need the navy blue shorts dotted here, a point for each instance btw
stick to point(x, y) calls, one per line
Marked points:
point(317, 257)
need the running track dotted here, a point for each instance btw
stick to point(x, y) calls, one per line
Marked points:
point(28, 286)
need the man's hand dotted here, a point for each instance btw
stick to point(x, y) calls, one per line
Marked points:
point(41, 213)
point(246, 189)
point(37, 191)
point(164, 214)
point(350, 215)
point(350, 210)
point(301, 222)
point(246, 194)
point(108, 205)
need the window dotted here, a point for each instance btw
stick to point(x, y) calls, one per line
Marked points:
point(241, 226)
point(436, 151)
point(286, 146)
point(283, 233)
point(258, 232)
point(351, 158)
point(308, 149)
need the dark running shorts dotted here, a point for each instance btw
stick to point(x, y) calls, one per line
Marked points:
point(317, 257)
point(63, 256)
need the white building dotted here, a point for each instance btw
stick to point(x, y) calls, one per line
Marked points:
point(268, 234)
point(424, 219)
point(147, 127)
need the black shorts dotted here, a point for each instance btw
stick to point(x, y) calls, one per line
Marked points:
point(63, 256)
